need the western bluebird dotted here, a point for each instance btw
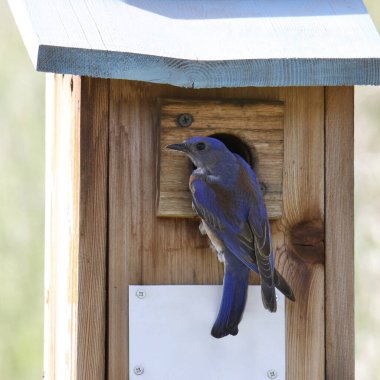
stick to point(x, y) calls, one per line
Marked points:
point(226, 196)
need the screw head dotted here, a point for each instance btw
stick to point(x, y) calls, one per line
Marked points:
point(138, 370)
point(272, 374)
point(185, 120)
point(140, 293)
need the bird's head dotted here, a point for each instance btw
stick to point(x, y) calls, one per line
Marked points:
point(204, 152)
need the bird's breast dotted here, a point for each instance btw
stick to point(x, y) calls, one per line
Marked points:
point(216, 242)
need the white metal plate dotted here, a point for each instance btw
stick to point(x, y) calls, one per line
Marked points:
point(169, 336)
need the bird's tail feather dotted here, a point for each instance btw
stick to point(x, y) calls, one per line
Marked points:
point(268, 295)
point(283, 286)
point(235, 287)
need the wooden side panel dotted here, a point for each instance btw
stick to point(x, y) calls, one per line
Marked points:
point(340, 341)
point(62, 227)
point(76, 218)
point(144, 249)
point(301, 253)
point(93, 220)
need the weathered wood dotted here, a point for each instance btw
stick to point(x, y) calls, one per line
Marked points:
point(92, 268)
point(259, 125)
point(340, 341)
point(62, 227)
point(303, 196)
point(76, 221)
point(204, 45)
point(144, 249)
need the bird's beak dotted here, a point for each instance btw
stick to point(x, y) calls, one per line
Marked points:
point(181, 147)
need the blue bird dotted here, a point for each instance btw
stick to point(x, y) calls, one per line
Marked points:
point(226, 196)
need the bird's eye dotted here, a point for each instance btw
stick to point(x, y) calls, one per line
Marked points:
point(200, 146)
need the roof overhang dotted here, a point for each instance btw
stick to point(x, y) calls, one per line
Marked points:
point(204, 44)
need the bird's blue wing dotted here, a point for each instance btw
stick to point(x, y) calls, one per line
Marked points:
point(205, 205)
point(237, 260)
point(259, 225)
point(239, 220)
point(265, 261)
point(228, 227)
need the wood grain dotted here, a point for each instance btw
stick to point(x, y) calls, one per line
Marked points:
point(303, 195)
point(259, 125)
point(340, 341)
point(297, 42)
point(97, 175)
point(62, 227)
point(93, 219)
point(144, 249)
point(76, 235)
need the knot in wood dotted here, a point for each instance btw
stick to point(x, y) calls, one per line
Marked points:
point(308, 241)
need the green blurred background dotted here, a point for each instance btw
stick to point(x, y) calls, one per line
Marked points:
point(21, 207)
point(22, 213)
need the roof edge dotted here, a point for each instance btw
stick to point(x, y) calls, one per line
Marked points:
point(210, 74)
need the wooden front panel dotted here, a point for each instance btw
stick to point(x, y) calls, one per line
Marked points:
point(144, 249)
point(103, 234)
point(257, 124)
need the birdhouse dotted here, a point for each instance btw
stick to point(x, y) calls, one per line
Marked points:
point(128, 275)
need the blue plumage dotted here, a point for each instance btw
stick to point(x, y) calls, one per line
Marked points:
point(226, 196)
point(235, 286)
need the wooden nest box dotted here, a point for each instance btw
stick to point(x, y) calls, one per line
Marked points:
point(274, 79)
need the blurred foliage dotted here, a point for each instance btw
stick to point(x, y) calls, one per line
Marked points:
point(22, 212)
point(373, 7)
point(367, 223)
point(22, 207)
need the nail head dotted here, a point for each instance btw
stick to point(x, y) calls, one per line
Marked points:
point(140, 293)
point(138, 370)
point(272, 374)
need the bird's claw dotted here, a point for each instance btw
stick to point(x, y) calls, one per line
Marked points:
point(202, 228)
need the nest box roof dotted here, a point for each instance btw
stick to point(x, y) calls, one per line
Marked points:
point(201, 44)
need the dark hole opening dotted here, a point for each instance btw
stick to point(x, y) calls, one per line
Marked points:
point(236, 145)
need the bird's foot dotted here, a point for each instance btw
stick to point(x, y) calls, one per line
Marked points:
point(220, 256)
point(202, 228)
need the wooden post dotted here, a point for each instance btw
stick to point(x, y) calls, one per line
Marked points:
point(340, 324)
point(76, 222)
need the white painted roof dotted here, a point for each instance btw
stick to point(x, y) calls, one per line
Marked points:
point(210, 43)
